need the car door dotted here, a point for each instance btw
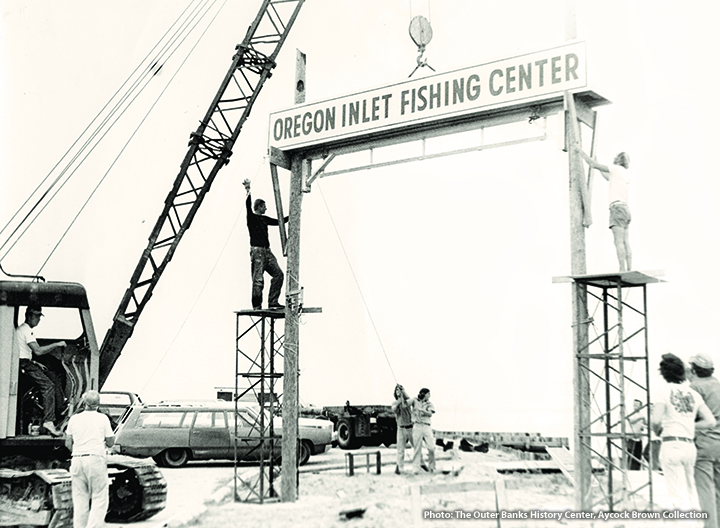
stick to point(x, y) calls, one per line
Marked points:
point(247, 434)
point(209, 436)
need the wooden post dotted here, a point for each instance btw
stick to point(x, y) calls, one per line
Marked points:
point(300, 65)
point(578, 264)
point(289, 485)
point(581, 382)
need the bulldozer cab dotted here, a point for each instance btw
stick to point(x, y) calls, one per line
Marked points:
point(74, 368)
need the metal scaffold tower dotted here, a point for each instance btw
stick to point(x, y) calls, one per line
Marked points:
point(259, 339)
point(614, 363)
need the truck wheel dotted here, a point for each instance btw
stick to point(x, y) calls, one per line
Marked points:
point(305, 450)
point(174, 457)
point(346, 435)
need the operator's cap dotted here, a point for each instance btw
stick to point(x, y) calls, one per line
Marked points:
point(702, 360)
point(34, 309)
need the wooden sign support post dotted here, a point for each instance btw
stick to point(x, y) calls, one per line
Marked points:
point(581, 381)
point(293, 308)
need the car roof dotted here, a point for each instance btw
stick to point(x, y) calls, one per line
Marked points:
point(193, 405)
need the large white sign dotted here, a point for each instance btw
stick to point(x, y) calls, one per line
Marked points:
point(506, 82)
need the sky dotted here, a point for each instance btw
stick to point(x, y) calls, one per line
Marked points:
point(433, 274)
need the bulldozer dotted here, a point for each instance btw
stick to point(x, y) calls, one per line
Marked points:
point(35, 485)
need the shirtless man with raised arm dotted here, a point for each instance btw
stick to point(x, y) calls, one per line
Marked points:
point(618, 178)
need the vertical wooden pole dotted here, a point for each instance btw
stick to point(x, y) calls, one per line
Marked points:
point(300, 65)
point(289, 484)
point(581, 382)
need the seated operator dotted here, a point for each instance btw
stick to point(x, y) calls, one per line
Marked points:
point(52, 394)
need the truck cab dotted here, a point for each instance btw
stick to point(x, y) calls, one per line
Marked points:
point(75, 367)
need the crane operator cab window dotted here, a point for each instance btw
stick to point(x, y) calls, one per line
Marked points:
point(45, 366)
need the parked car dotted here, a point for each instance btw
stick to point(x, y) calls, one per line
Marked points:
point(173, 434)
point(115, 403)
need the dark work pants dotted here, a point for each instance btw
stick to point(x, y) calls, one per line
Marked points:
point(262, 260)
point(51, 391)
point(634, 450)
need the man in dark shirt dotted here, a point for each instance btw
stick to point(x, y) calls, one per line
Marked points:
point(261, 258)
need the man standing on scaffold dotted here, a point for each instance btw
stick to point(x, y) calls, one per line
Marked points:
point(261, 258)
point(618, 177)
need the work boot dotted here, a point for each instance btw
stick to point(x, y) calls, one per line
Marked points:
point(50, 428)
point(276, 306)
point(397, 470)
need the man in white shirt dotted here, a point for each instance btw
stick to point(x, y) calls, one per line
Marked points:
point(618, 177)
point(87, 437)
point(27, 345)
point(422, 411)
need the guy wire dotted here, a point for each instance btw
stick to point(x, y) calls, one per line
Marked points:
point(357, 283)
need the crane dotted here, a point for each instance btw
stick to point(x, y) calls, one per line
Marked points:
point(138, 490)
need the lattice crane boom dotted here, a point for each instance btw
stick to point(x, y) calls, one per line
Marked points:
point(209, 149)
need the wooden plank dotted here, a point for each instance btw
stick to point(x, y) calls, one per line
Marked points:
point(279, 208)
point(279, 158)
point(415, 506)
point(458, 487)
point(564, 460)
point(572, 138)
point(501, 503)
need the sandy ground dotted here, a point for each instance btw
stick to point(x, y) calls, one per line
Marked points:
point(390, 500)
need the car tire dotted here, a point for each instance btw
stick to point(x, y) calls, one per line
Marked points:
point(305, 450)
point(346, 434)
point(174, 457)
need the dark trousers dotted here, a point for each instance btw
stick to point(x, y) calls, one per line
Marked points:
point(634, 451)
point(262, 260)
point(51, 391)
point(655, 463)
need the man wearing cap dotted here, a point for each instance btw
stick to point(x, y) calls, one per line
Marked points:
point(88, 435)
point(707, 441)
point(27, 345)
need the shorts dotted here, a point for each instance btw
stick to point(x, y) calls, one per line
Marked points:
point(619, 215)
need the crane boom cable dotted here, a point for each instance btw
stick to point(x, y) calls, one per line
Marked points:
point(148, 74)
point(357, 283)
point(157, 99)
point(67, 153)
point(84, 146)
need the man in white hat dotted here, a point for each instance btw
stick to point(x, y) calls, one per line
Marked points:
point(707, 441)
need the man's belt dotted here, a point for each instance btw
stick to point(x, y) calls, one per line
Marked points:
point(406, 426)
point(676, 439)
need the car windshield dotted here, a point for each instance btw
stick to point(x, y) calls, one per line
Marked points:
point(110, 398)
